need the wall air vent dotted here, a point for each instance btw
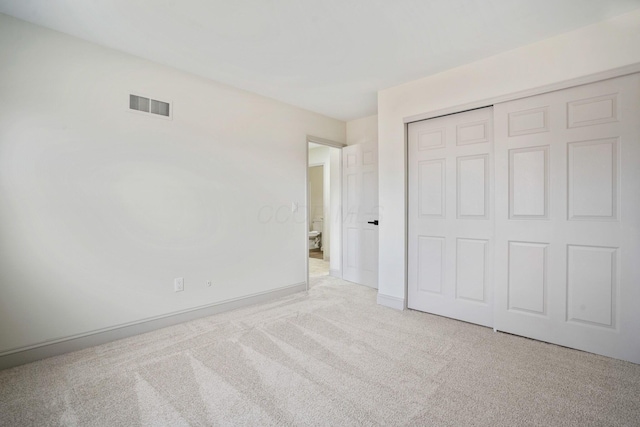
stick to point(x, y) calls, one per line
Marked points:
point(147, 105)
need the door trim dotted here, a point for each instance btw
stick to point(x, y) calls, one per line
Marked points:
point(324, 141)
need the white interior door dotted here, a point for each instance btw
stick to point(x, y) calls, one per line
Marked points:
point(450, 234)
point(360, 209)
point(568, 217)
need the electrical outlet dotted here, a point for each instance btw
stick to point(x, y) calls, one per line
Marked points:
point(209, 283)
point(178, 284)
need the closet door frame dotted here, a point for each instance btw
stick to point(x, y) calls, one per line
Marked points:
point(488, 102)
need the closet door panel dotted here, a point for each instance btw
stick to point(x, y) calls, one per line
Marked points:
point(567, 213)
point(450, 216)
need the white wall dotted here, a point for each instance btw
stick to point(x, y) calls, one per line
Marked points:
point(589, 50)
point(362, 130)
point(316, 193)
point(101, 208)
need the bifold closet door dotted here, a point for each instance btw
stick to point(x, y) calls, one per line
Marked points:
point(567, 242)
point(450, 234)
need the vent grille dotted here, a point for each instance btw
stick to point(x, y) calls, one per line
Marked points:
point(147, 105)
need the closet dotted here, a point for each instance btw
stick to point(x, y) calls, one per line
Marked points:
point(525, 217)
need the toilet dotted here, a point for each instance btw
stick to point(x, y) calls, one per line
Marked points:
point(315, 235)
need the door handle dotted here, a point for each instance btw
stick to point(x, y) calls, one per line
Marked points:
point(373, 222)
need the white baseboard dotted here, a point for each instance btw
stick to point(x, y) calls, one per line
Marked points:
point(29, 354)
point(391, 302)
point(335, 273)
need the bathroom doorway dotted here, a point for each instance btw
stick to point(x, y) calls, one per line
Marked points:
point(324, 208)
point(317, 214)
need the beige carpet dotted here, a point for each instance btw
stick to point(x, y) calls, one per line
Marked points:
point(332, 357)
point(318, 267)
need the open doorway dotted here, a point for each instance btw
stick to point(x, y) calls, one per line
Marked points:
point(324, 209)
point(317, 237)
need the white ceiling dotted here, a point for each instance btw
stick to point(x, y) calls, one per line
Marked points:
point(328, 56)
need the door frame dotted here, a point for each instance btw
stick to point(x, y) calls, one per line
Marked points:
point(331, 144)
point(488, 102)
